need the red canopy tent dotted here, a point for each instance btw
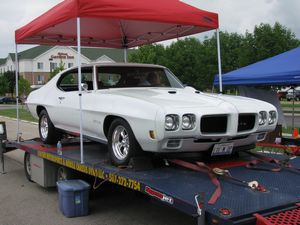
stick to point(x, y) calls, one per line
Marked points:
point(114, 24)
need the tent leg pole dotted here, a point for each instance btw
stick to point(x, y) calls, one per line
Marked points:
point(293, 115)
point(79, 87)
point(125, 55)
point(17, 92)
point(219, 61)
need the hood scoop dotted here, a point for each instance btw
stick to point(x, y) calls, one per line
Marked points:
point(172, 92)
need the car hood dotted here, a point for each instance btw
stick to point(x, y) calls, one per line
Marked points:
point(184, 98)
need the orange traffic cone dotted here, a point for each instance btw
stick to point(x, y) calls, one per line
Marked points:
point(296, 133)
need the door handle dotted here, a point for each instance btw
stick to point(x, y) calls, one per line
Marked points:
point(61, 98)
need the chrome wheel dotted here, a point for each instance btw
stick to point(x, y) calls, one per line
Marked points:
point(44, 126)
point(120, 142)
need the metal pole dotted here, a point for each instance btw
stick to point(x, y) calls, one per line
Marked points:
point(200, 199)
point(17, 92)
point(2, 157)
point(79, 87)
point(125, 55)
point(293, 115)
point(219, 61)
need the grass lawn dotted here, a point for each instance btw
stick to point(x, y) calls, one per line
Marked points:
point(290, 104)
point(24, 114)
point(287, 130)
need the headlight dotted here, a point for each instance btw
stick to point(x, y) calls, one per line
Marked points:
point(188, 121)
point(272, 117)
point(171, 122)
point(262, 118)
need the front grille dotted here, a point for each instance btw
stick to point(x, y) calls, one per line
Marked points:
point(214, 124)
point(246, 122)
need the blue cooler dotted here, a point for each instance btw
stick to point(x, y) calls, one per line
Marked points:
point(73, 197)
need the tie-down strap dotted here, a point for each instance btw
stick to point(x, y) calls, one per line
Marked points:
point(214, 174)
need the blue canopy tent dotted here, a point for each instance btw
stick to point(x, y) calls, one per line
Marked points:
point(283, 69)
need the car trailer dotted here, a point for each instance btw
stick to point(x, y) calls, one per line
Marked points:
point(190, 191)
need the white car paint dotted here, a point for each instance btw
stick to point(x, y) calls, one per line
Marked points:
point(145, 108)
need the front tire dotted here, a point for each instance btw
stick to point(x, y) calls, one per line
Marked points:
point(122, 144)
point(48, 133)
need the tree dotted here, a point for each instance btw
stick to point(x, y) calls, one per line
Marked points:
point(185, 61)
point(267, 41)
point(3, 85)
point(24, 87)
point(11, 81)
point(154, 54)
point(231, 48)
point(195, 62)
point(59, 68)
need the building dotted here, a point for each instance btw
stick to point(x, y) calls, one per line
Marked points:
point(36, 64)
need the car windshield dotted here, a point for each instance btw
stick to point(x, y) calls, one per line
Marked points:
point(127, 77)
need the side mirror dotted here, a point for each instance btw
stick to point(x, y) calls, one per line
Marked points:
point(84, 87)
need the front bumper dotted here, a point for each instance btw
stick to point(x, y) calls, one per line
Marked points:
point(198, 145)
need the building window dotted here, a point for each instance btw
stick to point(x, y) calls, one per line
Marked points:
point(52, 66)
point(40, 65)
point(70, 65)
point(11, 69)
point(40, 79)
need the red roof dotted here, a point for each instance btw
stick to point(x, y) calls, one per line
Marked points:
point(116, 23)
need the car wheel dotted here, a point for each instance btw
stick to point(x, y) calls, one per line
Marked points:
point(27, 166)
point(122, 144)
point(48, 133)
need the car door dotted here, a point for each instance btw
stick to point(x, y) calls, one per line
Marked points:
point(68, 98)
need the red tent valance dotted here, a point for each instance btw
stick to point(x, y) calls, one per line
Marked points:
point(116, 23)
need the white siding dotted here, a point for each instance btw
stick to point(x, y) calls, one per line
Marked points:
point(69, 56)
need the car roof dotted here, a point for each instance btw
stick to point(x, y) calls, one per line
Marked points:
point(123, 65)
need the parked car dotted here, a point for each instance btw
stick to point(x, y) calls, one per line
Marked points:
point(281, 95)
point(138, 107)
point(6, 100)
point(293, 95)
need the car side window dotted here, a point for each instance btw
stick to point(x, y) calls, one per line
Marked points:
point(69, 80)
point(107, 80)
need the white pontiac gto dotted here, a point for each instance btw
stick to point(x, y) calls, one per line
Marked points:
point(139, 107)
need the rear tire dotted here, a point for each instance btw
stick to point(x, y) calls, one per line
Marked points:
point(122, 144)
point(27, 166)
point(48, 133)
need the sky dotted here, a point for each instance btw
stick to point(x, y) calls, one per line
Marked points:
point(234, 15)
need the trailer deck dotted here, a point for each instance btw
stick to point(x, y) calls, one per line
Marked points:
point(177, 187)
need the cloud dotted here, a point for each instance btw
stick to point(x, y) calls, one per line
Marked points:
point(241, 15)
point(15, 14)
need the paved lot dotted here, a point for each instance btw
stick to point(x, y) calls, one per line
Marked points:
point(10, 106)
point(26, 203)
point(289, 119)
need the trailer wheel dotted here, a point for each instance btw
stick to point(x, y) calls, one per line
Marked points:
point(27, 166)
point(122, 144)
point(48, 133)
